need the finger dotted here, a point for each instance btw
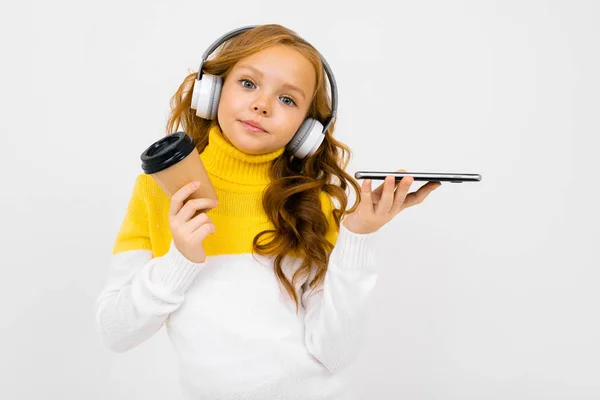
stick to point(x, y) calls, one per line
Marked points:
point(377, 192)
point(401, 193)
point(202, 232)
point(196, 222)
point(417, 197)
point(366, 202)
point(191, 207)
point(180, 196)
point(387, 196)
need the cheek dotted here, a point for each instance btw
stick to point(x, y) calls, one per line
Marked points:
point(291, 127)
point(228, 100)
point(296, 122)
point(225, 100)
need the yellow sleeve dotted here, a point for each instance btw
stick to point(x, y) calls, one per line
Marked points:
point(134, 233)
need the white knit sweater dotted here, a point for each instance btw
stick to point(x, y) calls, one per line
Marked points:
point(236, 336)
point(235, 331)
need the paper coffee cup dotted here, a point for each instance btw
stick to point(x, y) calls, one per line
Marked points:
point(173, 162)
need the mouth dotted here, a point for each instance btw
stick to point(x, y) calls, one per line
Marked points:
point(252, 127)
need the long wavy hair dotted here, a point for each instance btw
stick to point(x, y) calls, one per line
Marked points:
point(292, 200)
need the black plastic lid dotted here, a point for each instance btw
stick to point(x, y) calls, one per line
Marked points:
point(166, 152)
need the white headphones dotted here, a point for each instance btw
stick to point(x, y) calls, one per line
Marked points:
point(207, 92)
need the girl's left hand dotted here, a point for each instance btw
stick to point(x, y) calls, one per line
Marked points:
point(380, 206)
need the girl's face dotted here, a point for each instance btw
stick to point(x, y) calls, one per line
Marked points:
point(272, 88)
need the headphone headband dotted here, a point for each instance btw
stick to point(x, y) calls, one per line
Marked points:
point(238, 31)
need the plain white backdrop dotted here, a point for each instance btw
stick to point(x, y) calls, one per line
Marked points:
point(487, 290)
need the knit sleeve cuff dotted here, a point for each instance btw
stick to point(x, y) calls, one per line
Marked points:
point(175, 271)
point(354, 251)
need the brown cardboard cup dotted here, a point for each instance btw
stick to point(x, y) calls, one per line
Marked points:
point(173, 162)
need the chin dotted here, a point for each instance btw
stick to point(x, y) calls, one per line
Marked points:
point(244, 144)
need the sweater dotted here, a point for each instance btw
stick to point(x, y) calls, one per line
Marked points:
point(234, 329)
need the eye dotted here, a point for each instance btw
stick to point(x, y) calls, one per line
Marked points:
point(246, 86)
point(290, 103)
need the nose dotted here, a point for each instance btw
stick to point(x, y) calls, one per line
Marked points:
point(261, 105)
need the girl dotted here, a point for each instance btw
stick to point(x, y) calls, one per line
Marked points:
point(264, 296)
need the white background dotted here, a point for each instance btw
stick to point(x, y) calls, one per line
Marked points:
point(488, 290)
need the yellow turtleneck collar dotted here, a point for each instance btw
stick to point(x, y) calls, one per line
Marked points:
point(230, 165)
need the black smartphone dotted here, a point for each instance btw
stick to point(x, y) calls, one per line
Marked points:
point(420, 176)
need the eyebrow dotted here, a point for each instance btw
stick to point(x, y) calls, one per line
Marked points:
point(286, 85)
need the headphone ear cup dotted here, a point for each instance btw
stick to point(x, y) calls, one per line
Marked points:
point(216, 97)
point(206, 96)
point(196, 94)
point(307, 139)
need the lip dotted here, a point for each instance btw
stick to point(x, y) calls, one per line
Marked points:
point(253, 126)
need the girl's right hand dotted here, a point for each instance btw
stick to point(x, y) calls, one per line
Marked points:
point(188, 231)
